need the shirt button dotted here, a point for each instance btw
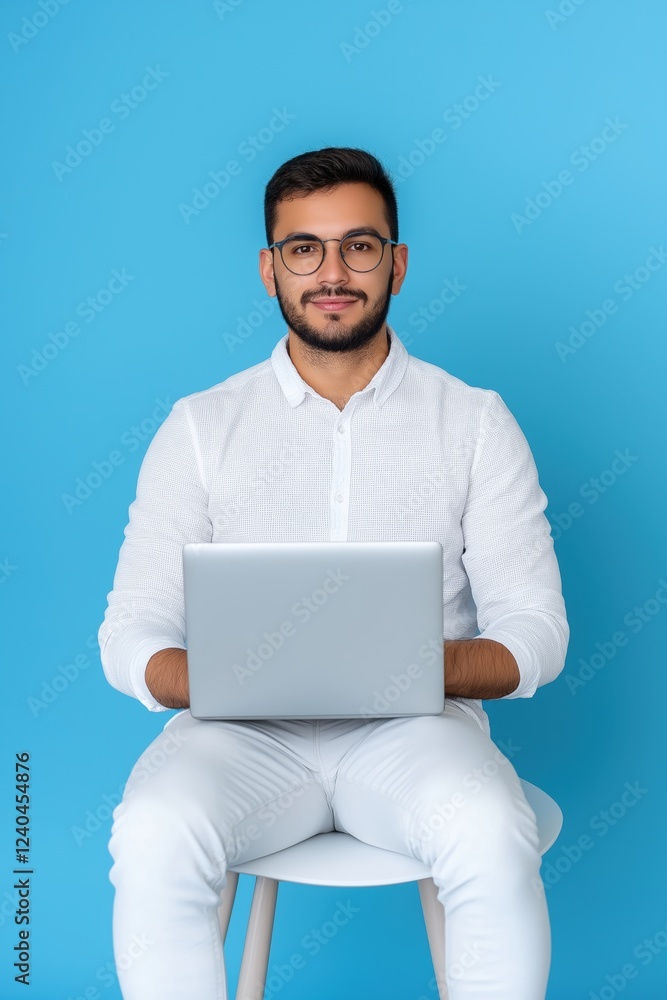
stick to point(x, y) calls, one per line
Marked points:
point(339, 497)
point(341, 429)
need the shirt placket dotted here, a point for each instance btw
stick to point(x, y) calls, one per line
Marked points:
point(340, 478)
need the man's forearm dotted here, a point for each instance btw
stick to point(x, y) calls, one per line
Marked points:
point(167, 678)
point(479, 668)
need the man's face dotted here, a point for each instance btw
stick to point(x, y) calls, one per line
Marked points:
point(364, 296)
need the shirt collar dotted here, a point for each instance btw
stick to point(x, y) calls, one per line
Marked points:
point(386, 379)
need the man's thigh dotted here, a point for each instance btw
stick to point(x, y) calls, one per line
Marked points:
point(233, 779)
point(416, 785)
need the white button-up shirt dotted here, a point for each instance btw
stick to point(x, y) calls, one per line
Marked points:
point(417, 454)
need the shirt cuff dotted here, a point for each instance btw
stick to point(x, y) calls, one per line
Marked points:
point(529, 671)
point(131, 658)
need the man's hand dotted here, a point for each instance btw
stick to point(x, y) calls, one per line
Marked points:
point(479, 668)
point(167, 678)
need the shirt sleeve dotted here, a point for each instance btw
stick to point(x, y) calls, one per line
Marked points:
point(509, 553)
point(145, 609)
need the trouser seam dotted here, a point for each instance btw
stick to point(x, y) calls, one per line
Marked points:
point(328, 784)
point(216, 944)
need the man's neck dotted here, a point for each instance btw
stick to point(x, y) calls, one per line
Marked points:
point(337, 376)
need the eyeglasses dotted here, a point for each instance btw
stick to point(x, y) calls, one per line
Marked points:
point(304, 253)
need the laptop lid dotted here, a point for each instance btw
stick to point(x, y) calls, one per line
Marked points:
point(306, 630)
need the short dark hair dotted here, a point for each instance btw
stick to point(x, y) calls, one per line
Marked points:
point(324, 169)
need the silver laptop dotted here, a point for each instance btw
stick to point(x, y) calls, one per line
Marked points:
point(314, 630)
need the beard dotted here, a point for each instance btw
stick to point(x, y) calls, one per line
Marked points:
point(337, 336)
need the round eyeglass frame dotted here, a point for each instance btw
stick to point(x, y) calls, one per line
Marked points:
point(333, 239)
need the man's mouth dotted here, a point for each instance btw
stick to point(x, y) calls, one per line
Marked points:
point(333, 305)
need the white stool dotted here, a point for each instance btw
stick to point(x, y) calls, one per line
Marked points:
point(337, 859)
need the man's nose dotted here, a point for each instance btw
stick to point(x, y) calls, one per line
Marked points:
point(333, 267)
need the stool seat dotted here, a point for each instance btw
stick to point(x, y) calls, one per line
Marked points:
point(336, 859)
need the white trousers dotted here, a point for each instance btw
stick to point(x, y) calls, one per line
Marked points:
point(206, 794)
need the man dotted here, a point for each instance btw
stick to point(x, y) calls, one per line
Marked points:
point(339, 435)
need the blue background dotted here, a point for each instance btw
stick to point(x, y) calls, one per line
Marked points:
point(220, 71)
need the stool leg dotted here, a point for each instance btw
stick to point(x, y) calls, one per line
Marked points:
point(227, 901)
point(434, 918)
point(255, 960)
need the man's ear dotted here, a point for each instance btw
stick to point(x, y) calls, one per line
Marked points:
point(266, 271)
point(400, 267)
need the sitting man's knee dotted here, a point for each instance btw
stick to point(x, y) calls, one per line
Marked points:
point(155, 828)
point(142, 819)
